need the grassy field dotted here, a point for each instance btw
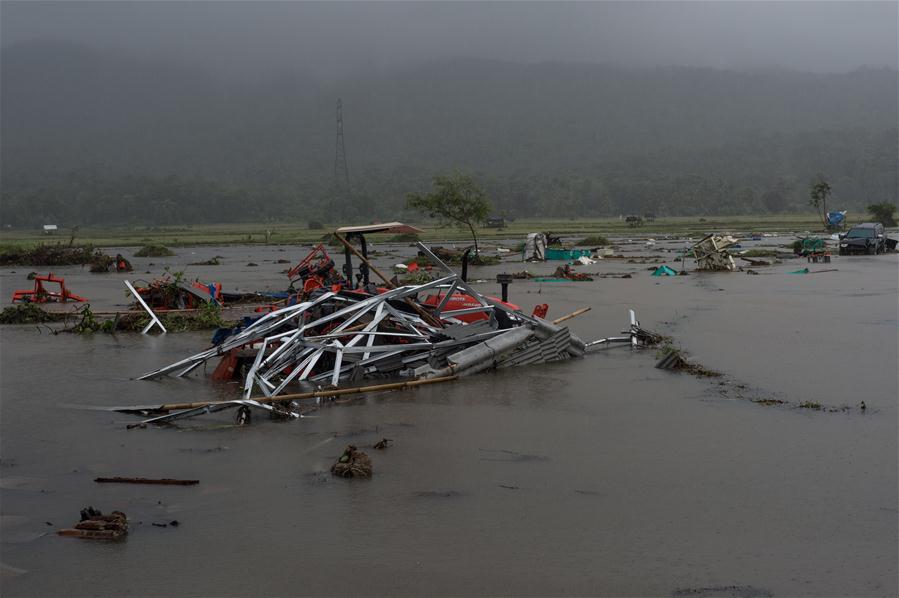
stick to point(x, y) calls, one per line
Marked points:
point(298, 233)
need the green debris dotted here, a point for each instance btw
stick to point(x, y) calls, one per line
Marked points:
point(154, 251)
point(26, 313)
point(51, 255)
point(593, 241)
point(811, 405)
point(89, 324)
point(758, 253)
point(208, 317)
point(768, 402)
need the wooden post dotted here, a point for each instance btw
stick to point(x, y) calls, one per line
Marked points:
point(573, 314)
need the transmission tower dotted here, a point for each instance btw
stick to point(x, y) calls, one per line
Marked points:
point(341, 172)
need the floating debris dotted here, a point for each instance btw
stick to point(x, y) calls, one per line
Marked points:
point(158, 481)
point(674, 360)
point(382, 444)
point(334, 336)
point(353, 463)
point(711, 253)
point(94, 525)
point(27, 313)
point(154, 251)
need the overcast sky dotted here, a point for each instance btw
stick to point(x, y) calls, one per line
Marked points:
point(339, 38)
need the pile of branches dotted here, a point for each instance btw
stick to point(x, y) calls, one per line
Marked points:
point(53, 255)
point(27, 313)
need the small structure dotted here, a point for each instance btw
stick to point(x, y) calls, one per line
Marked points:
point(496, 222)
point(535, 247)
point(50, 229)
point(711, 253)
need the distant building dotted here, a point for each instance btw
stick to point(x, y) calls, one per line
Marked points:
point(50, 229)
point(496, 222)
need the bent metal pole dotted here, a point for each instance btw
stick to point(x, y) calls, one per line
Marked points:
point(333, 392)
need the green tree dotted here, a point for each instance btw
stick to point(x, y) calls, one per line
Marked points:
point(818, 191)
point(456, 199)
point(883, 213)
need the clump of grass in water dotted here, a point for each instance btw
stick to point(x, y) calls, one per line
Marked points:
point(811, 405)
point(768, 402)
point(89, 324)
point(208, 317)
point(50, 255)
point(154, 250)
point(668, 348)
point(593, 241)
point(24, 313)
point(214, 261)
point(759, 253)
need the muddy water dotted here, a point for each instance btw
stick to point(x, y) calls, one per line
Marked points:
point(594, 476)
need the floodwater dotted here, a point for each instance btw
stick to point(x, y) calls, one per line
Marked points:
point(596, 476)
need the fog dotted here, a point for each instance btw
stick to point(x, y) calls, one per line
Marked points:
point(336, 39)
point(225, 111)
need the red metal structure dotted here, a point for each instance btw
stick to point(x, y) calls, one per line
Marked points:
point(40, 294)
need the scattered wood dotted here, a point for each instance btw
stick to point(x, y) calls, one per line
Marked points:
point(94, 525)
point(162, 481)
point(573, 314)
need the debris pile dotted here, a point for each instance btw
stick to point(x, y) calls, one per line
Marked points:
point(569, 274)
point(349, 336)
point(672, 359)
point(339, 339)
point(711, 253)
point(94, 525)
point(52, 255)
point(27, 313)
point(353, 463)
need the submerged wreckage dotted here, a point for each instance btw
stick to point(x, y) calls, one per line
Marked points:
point(346, 339)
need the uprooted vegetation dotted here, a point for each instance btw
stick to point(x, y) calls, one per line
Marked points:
point(53, 255)
point(672, 358)
point(27, 313)
point(454, 257)
point(758, 253)
point(593, 241)
point(213, 261)
point(154, 250)
point(208, 317)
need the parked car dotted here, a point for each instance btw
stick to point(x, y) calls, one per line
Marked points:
point(864, 238)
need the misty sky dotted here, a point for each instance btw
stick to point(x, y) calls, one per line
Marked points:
point(334, 40)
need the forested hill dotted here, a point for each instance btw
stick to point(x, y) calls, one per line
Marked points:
point(92, 135)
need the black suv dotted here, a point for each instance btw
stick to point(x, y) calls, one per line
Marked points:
point(864, 238)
